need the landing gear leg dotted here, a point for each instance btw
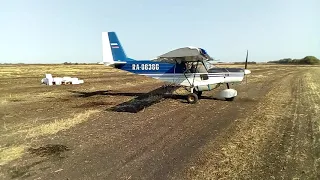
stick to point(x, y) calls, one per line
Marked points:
point(199, 93)
point(228, 86)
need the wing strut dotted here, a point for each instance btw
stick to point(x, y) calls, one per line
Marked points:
point(194, 76)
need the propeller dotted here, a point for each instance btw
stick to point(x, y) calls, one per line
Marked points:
point(246, 64)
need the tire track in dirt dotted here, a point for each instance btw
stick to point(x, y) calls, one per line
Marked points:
point(313, 97)
point(243, 155)
point(289, 152)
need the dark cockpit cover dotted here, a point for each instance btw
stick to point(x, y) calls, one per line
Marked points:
point(187, 52)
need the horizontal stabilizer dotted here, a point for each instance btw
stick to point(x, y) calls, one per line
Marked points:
point(114, 62)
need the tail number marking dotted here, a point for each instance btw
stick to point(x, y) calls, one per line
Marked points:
point(145, 67)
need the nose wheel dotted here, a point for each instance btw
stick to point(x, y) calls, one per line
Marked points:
point(192, 98)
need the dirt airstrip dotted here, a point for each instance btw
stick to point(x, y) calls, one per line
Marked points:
point(122, 126)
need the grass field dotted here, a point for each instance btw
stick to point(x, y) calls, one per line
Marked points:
point(119, 125)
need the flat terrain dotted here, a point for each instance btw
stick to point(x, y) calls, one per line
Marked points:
point(121, 126)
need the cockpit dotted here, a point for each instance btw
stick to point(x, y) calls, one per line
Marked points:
point(197, 67)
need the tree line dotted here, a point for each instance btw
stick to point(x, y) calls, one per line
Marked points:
point(306, 60)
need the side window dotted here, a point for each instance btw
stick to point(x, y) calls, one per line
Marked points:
point(204, 76)
point(179, 68)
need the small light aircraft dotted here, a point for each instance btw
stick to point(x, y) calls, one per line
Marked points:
point(188, 66)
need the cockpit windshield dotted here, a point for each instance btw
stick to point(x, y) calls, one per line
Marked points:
point(208, 65)
point(198, 67)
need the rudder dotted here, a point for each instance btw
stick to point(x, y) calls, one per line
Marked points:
point(112, 49)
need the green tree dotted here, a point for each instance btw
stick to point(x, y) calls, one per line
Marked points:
point(306, 60)
point(310, 60)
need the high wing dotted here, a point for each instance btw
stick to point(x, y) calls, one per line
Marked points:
point(185, 54)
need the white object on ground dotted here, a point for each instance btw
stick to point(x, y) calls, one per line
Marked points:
point(49, 80)
point(57, 80)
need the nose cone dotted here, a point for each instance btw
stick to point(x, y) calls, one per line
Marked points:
point(247, 71)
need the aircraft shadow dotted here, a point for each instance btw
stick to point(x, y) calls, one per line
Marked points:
point(141, 101)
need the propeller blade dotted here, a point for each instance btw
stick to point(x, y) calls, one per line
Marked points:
point(246, 64)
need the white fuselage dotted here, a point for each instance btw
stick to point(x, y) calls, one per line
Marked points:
point(199, 79)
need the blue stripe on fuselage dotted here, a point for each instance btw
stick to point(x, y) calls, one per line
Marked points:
point(150, 67)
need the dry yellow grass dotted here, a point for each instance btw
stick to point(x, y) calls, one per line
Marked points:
point(3, 101)
point(13, 71)
point(11, 153)
point(16, 151)
point(313, 83)
point(58, 125)
point(235, 156)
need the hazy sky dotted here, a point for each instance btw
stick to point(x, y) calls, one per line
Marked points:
point(55, 31)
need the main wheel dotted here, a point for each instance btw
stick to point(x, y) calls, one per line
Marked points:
point(230, 99)
point(192, 98)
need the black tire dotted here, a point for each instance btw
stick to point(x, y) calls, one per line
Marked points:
point(199, 93)
point(230, 99)
point(192, 98)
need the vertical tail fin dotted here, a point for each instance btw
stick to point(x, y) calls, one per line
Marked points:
point(112, 50)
